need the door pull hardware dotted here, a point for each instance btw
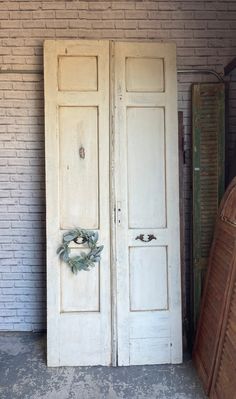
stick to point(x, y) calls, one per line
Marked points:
point(82, 152)
point(150, 237)
point(80, 241)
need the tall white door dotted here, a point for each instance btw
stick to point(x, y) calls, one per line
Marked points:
point(126, 310)
point(77, 117)
point(147, 228)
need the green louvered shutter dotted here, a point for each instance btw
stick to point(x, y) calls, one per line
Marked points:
point(208, 107)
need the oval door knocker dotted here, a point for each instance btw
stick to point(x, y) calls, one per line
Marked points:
point(84, 261)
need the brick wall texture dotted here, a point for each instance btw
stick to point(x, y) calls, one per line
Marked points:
point(205, 35)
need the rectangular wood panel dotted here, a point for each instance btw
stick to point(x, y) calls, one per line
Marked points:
point(79, 170)
point(144, 74)
point(148, 279)
point(77, 73)
point(80, 293)
point(146, 167)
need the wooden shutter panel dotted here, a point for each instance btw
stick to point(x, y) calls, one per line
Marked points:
point(208, 107)
point(224, 381)
point(215, 346)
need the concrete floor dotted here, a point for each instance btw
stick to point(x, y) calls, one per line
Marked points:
point(24, 375)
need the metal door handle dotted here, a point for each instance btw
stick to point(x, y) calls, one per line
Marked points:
point(150, 237)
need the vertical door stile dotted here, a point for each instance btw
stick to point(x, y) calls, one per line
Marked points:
point(52, 178)
point(172, 203)
point(122, 260)
point(113, 210)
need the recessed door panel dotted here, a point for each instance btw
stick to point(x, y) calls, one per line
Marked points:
point(77, 73)
point(146, 167)
point(80, 293)
point(79, 191)
point(148, 279)
point(144, 74)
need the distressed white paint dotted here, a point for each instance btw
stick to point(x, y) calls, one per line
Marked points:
point(77, 73)
point(79, 186)
point(144, 74)
point(146, 167)
point(146, 322)
point(149, 324)
point(80, 294)
point(149, 350)
point(148, 278)
point(78, 307)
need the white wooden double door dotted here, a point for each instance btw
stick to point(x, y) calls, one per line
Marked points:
point(112, 167)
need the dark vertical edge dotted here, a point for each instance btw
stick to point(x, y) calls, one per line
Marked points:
point(221, 142)
point(196, 249)
point(227, 138)
point(181, 214)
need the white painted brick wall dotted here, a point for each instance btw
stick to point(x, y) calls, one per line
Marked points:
point(205, 34)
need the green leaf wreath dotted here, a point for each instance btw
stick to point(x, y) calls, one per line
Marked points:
point(83, 261)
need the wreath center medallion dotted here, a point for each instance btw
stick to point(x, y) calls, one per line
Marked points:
point(84, 261)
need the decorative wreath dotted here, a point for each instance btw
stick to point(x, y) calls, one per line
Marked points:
point(84, 261)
